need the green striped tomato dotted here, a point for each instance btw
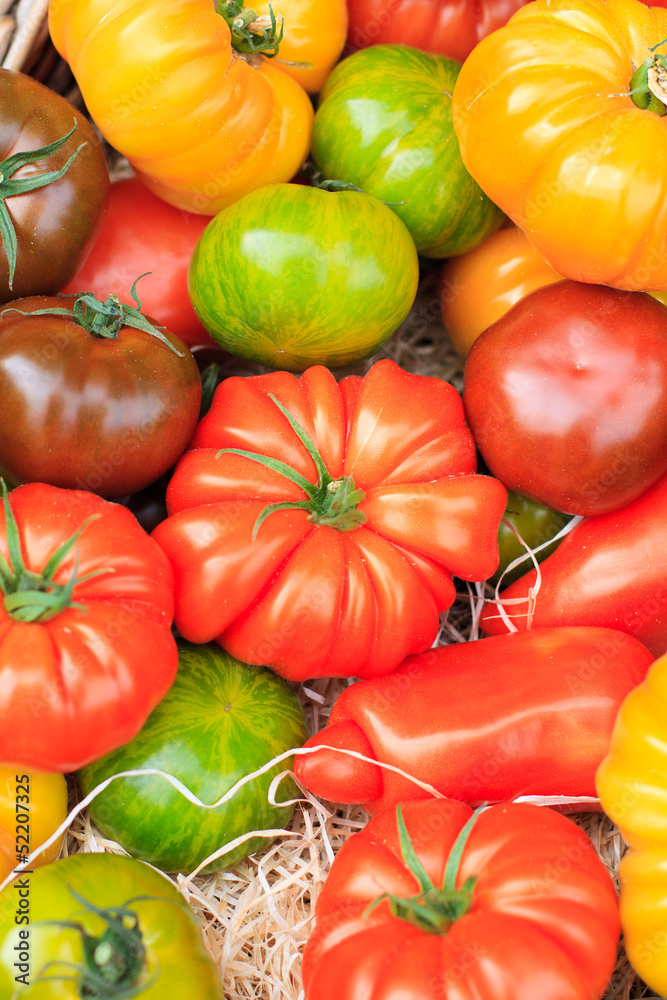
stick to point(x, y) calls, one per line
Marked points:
point(221, 720)
point(384, 123)
point(292, 276)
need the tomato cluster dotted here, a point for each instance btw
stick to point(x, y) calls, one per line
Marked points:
point(216, 482)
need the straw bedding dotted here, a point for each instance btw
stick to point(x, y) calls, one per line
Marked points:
point(256, 917)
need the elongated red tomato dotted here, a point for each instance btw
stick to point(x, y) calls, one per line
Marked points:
point(86, 650)
point(433, 903)
point(335, 557)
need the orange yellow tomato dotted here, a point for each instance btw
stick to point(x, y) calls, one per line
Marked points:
point(549, 129)
point(201, 122)
point(478, 287)
point(33, 804)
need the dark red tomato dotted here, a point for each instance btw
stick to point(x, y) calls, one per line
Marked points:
point(449, 27)
point(566, 396)
point(143, 233)
point(55, 224)
point(105, 413)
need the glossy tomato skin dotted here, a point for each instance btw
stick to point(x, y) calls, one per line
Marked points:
point(609, 570)
point(384, 123)
point(220, 721)
point(201, 124)
point(292, 276)
point(116, 413)
point(175, 963)
point(33, 804)
point(479, 287)
point(313, 39)
point(449, 27)
point(536, 524)
point(304, 597)
point(56, 225)
point(631, 785)
point(143, 233)
point(531, 928)
point(82, 682)
point(566, 396)
point(545, 116)
point(542, 732)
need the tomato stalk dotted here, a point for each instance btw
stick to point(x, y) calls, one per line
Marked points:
point(114, 960)
point(432, 910)
point(11, 185)
point(250, 32)
point(648, 86)
point(36, 597)
point(331, 502)
point(104, 319)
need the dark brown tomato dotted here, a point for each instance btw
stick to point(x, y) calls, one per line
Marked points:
point(566, 396)
point(57, 224)
point(77, 411)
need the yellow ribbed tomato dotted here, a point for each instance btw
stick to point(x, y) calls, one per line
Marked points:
point(549, 130)
point(632, 785)
point(200, 121)
point(32, 807)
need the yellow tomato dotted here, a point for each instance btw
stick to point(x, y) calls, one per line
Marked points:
point(550, 131)
point(200, 122)
point(32, 807)
point(479, 287)
point(315, 34)
point(632, 785)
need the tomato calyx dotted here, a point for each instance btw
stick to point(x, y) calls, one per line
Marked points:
point(36, 597)
point(104, 319)
point(330, 502)
point(648, 85)
point(114, 960)
point(432, 910)
point(11, 185)
point(251, 33)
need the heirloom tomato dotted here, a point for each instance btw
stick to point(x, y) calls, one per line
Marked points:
point(536, 524)
point(543, 731)
point(436, 902)
point(315, 526)
point(566, 396)
point(53, 188)
point(101, 926)
point(292, 276)
point(192, 101)
point(92, 395)
point(85, 623)
point(384, 124)
point(609, 570)
point(479, 287)
point(220, 721)
point(449, 27)
point(558, 125)
point(33, 804)
point(142, 234)
point(632, 785)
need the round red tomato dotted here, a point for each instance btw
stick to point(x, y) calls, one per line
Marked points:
point(566, 396)
point(104, 409)
point(144, 233)
point(449, 27)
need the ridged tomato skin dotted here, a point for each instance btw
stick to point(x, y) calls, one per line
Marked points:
point(542, 920)
point(544, 114)
point(200, 124)
point(313, 599)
